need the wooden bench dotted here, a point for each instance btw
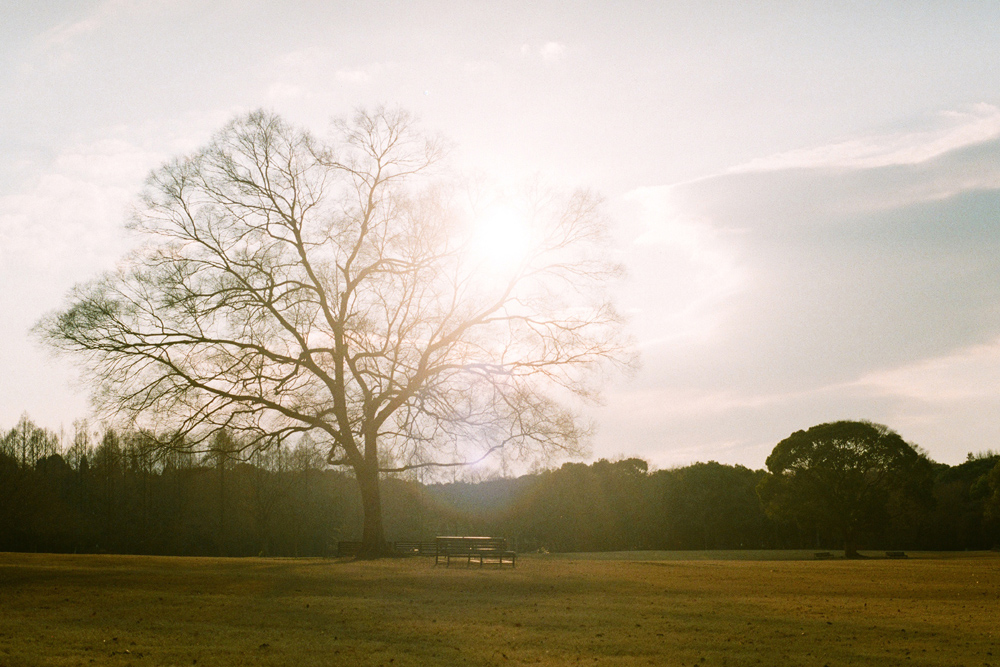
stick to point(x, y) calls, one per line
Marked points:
point(348, 548)
point(482, 549)
point(418, 548)
point(823, 555)
point(895, 554)
point(353, 547)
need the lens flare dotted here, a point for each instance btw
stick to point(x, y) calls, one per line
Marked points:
point(502, 238)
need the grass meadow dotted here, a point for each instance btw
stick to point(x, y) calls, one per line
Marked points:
point(693, 609)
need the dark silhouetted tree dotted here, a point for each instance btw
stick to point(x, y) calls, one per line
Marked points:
point(961, 518)
point(708, 506)
point(28, 443)
point(108, 471)
point(222, 455)
point(991, 514)
point(842, 475)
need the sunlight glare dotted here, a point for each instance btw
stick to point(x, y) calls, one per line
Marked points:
point(502, 238)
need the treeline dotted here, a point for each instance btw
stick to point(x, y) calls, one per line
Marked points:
point(121, 493)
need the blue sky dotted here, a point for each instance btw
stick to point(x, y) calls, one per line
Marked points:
point(807, 196)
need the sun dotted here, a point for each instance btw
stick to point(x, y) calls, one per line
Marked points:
point(501, 238)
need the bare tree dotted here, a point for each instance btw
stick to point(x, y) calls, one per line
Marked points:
point(28, 443)
point(346, 290)
point(81, 447)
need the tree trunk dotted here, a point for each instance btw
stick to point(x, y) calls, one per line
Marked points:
point(850, 546)
point(222, 510)
point(373, 544)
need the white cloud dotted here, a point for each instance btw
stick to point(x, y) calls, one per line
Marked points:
point(968, 374)
point(69, 219)
point(308, 73)
point(478, 66)
point(353, 75)
point(773, 298)
point(281, 91)
point(670, 425)
point(552, 51)
point(58, 42)
point(952, 130)
point(304, 60)
point(946, 404)
point(292, 70)
point(64, 225)
point(64, 33)
point(696, 266)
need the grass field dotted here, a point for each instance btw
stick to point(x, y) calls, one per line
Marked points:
point(550, 610)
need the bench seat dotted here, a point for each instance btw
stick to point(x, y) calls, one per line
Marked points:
point(471, 549)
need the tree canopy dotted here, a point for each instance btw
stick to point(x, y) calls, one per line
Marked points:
point(345, 290)
point(843, 474)
point(101, 490)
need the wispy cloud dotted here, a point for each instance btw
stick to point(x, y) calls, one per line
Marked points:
point(353, 75)
point(478, 66)
point(281, 91)
point(71, 216)
point(58, 43)
point(303, 61)
point(64, 33)
point(696, 264)
point(549, 52)
point(677, 425)
point(306, 73)
point(852, 270)
point(967, 374)
point(950, 130)
point(552, 51)
point(850, 281)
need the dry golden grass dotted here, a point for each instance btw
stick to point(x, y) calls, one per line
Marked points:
point(123, 610)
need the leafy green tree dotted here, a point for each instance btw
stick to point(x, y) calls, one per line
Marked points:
point(842, 475)
point(991, 514)
point(623, 486)
point(957, 520)
point(566, 511)
point(708, 506)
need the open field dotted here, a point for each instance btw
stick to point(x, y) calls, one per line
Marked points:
point(550, 610)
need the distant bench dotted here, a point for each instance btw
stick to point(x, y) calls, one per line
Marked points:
point(482, 549)
point(895, 554)
point(348, 548)
point(823, 555)
point(353, 547)
point(419, 548)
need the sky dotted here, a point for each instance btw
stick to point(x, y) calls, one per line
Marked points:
point(806, 195)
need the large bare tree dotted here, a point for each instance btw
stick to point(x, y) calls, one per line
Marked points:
point(347, 289)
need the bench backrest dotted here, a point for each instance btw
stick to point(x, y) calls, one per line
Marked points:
point(464, 545)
